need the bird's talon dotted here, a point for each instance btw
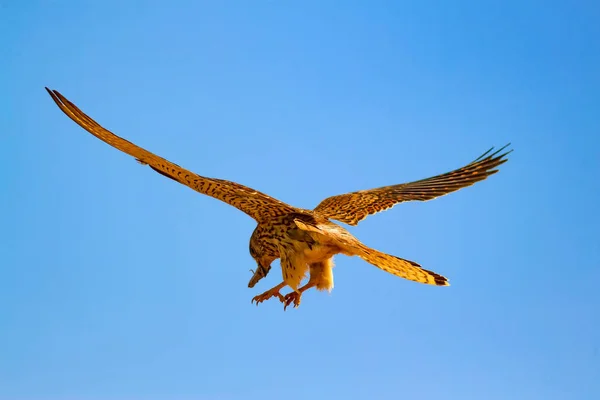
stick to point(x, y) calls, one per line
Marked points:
point(292, 297)
point(274, 292)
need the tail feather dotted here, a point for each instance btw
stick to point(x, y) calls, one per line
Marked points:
point(400, 267)
point(394, 265)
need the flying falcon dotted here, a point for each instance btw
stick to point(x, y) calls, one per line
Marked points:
point(305, 240)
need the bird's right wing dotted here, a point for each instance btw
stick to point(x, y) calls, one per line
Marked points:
point(351, 208)
point(256, 204)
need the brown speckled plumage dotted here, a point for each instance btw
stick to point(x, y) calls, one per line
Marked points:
point(351, 208)
point(305, 241)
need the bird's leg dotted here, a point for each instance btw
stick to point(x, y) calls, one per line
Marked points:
point(294, 297)
point(270, 293)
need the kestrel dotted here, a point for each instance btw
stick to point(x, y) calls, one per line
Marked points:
point(305, 241)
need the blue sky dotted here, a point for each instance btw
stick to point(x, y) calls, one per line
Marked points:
point(117, 283)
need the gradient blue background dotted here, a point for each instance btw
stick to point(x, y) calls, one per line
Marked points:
point(117, 283)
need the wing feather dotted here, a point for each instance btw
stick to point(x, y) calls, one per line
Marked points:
point(351, 208)
point(258, 205)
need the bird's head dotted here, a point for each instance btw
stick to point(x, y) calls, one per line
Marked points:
point(263, 263)
point(261, 271)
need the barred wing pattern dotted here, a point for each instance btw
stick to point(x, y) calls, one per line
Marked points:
point(258, 205)
point(351, 208)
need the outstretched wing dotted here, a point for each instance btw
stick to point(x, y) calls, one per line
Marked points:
point(351, 208)
point(256, 204)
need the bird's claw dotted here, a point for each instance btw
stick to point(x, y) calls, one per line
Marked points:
point(266, 296)
point(292, 297)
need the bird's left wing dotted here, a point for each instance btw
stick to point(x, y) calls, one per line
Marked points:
point(351, 208)
point(254, 203)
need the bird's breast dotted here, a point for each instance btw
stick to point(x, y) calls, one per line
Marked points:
point(319, 253)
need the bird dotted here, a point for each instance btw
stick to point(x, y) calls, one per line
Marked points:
point(305, 241)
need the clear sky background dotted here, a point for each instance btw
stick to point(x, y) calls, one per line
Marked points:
point(117, 283)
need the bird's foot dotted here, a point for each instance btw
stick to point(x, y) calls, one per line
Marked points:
point(292, 297)
point(274, 292)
